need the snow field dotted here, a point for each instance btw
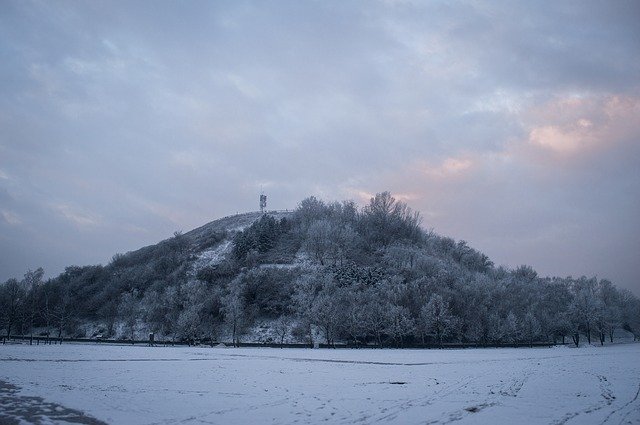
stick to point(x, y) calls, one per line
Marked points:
point(152, 385)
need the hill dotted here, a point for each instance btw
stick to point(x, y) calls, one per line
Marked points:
point(333, 272)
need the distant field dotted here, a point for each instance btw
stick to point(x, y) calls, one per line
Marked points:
point(142, 385)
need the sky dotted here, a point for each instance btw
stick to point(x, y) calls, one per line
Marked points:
point(513, 126)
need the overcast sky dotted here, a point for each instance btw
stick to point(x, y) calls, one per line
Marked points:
point(513, 127)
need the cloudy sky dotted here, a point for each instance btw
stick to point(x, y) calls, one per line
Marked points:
point(513, 127)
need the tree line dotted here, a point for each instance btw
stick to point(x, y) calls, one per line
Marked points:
point(329, 272)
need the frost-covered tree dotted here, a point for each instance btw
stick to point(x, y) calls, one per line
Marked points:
point(306, 289)
point(495, 330)
point(610, 311)
point(511, 328)
point(562, 326)
point(584, 307)
point(386, 220)
point(32, 283)
point(319, 240)
point(65, 309)
point(375, 317)
point(345, 243)
point(234, 314)
point(354, 316)
point(12, 300)
point(129, 310)
point(188, 324)
point(437, 318)
point(282, 327)
point(374, 267)
point(530, 327)
point(399, 323)
point(326, 315)
point(630, 312)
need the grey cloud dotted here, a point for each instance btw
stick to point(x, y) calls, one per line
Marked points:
point(148, 117)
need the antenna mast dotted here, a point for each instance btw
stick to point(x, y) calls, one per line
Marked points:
point(263, 202)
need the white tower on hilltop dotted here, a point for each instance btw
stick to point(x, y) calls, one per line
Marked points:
point(263, 202)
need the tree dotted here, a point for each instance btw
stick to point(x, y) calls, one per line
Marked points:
point(65, 308)
point(494, 325)
point(306, 289)
point(437, 318)
point(552, 308)
point(610, 312)
point(584, 306)
point(234, 314)
point(179, 242)
point(354, 316)
point(32, 282)
point(326, 314)
point(562, 325)
point(309, 211)
point(128, 309)
point(386, 220)
point(511, 327)
point(188, 325)
point(398, 323)
point(376, 310)
point(318, 242)
point(46, 308)
point(530, 327)
point(13, 298)
point(282, 326)
point(630, 312)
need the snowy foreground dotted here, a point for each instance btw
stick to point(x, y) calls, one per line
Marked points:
point(152, 385)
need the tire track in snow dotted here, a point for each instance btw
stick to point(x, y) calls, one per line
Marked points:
point(515, 383)
point(613, 412)
point(390, 413)
point(606, 400)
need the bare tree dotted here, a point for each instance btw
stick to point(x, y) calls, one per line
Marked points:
point(234, 314)
point(13, 299)
point(318, 242)
point(584, 307)
point(354, 317)
point(282, 326)
point(326, 315)
point(32, 282)
point(129, 311)
point(610, 314)
point(64, 310)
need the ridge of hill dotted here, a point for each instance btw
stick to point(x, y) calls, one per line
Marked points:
point(234, 222)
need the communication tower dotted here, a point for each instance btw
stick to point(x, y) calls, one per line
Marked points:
point(263, 202)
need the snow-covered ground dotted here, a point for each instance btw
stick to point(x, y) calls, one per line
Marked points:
point(212, 257)
point(157, 385)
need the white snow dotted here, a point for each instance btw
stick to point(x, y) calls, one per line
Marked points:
point(213, 256)
point(150, 385)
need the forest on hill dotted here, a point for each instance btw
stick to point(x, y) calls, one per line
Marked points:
point(326, 271)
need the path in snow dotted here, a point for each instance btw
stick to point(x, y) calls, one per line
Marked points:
point(153, 385)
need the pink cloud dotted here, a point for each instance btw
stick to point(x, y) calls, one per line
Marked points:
point(451, 167)
point(573, 127)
